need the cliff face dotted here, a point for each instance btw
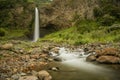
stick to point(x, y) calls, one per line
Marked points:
point(62, 13)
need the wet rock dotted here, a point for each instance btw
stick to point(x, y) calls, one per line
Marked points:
point(57, 59)
point(54, 68)
point(86, 49)
point(55, 49)
point(44, 75)
point(50, 59)
point(108, 59)
point(7, 46)
point(28, 78)
point(91, 57)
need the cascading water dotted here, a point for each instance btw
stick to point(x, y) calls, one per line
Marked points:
point(74, 67)
point(78, 57)
point(36, 29)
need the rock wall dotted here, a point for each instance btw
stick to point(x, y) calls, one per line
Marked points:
point(62, 13)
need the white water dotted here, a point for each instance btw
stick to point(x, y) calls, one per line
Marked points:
point(77, 59)
point(36, 29)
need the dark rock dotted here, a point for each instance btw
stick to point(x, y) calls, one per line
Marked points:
point(86, 49)
point(108, 59)
point(57, 59)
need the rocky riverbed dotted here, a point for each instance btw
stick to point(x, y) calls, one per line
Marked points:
point(21, 60)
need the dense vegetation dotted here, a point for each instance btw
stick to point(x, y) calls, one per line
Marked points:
point(108, 12)
point(86, 32)
point(17, 15)
point(104, 28)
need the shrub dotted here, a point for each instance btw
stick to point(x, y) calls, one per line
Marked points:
point(28, 34)
point(107, 20)
point(2, 32)
point(97, 12)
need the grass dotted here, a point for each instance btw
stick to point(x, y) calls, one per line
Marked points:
point(85, 32)
point(13, 34)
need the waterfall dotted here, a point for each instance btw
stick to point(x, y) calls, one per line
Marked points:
point(36, 29)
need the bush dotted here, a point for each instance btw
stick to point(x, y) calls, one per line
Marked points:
point(97, 12)
point(2, 32)
point(28, 34)
point(107, 20)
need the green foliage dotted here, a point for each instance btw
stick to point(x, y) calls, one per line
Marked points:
point(2, 32)
point(74, 36)
point(84, 26)
point(108, 12)
point(97, 12)
point(107, 20)
point(28, 33)
point(13, 34)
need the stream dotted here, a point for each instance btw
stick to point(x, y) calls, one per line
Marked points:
point(74, 67)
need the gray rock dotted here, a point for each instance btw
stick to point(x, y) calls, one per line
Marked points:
point(91, 57)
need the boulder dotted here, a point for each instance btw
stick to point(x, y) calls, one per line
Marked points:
point(55, 49)
point(44, 75)
point(108, 59)
point(108, 51)
point(7, 46)
point(91, 57)
point(28, 78)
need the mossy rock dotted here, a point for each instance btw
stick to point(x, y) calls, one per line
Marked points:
point(2, 32)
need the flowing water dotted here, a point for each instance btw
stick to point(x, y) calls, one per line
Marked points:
point(36, 29)
point(74, 67)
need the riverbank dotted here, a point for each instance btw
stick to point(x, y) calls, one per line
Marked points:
point(17, 57)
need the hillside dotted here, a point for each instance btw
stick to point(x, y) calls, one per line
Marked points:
point(82, 21)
